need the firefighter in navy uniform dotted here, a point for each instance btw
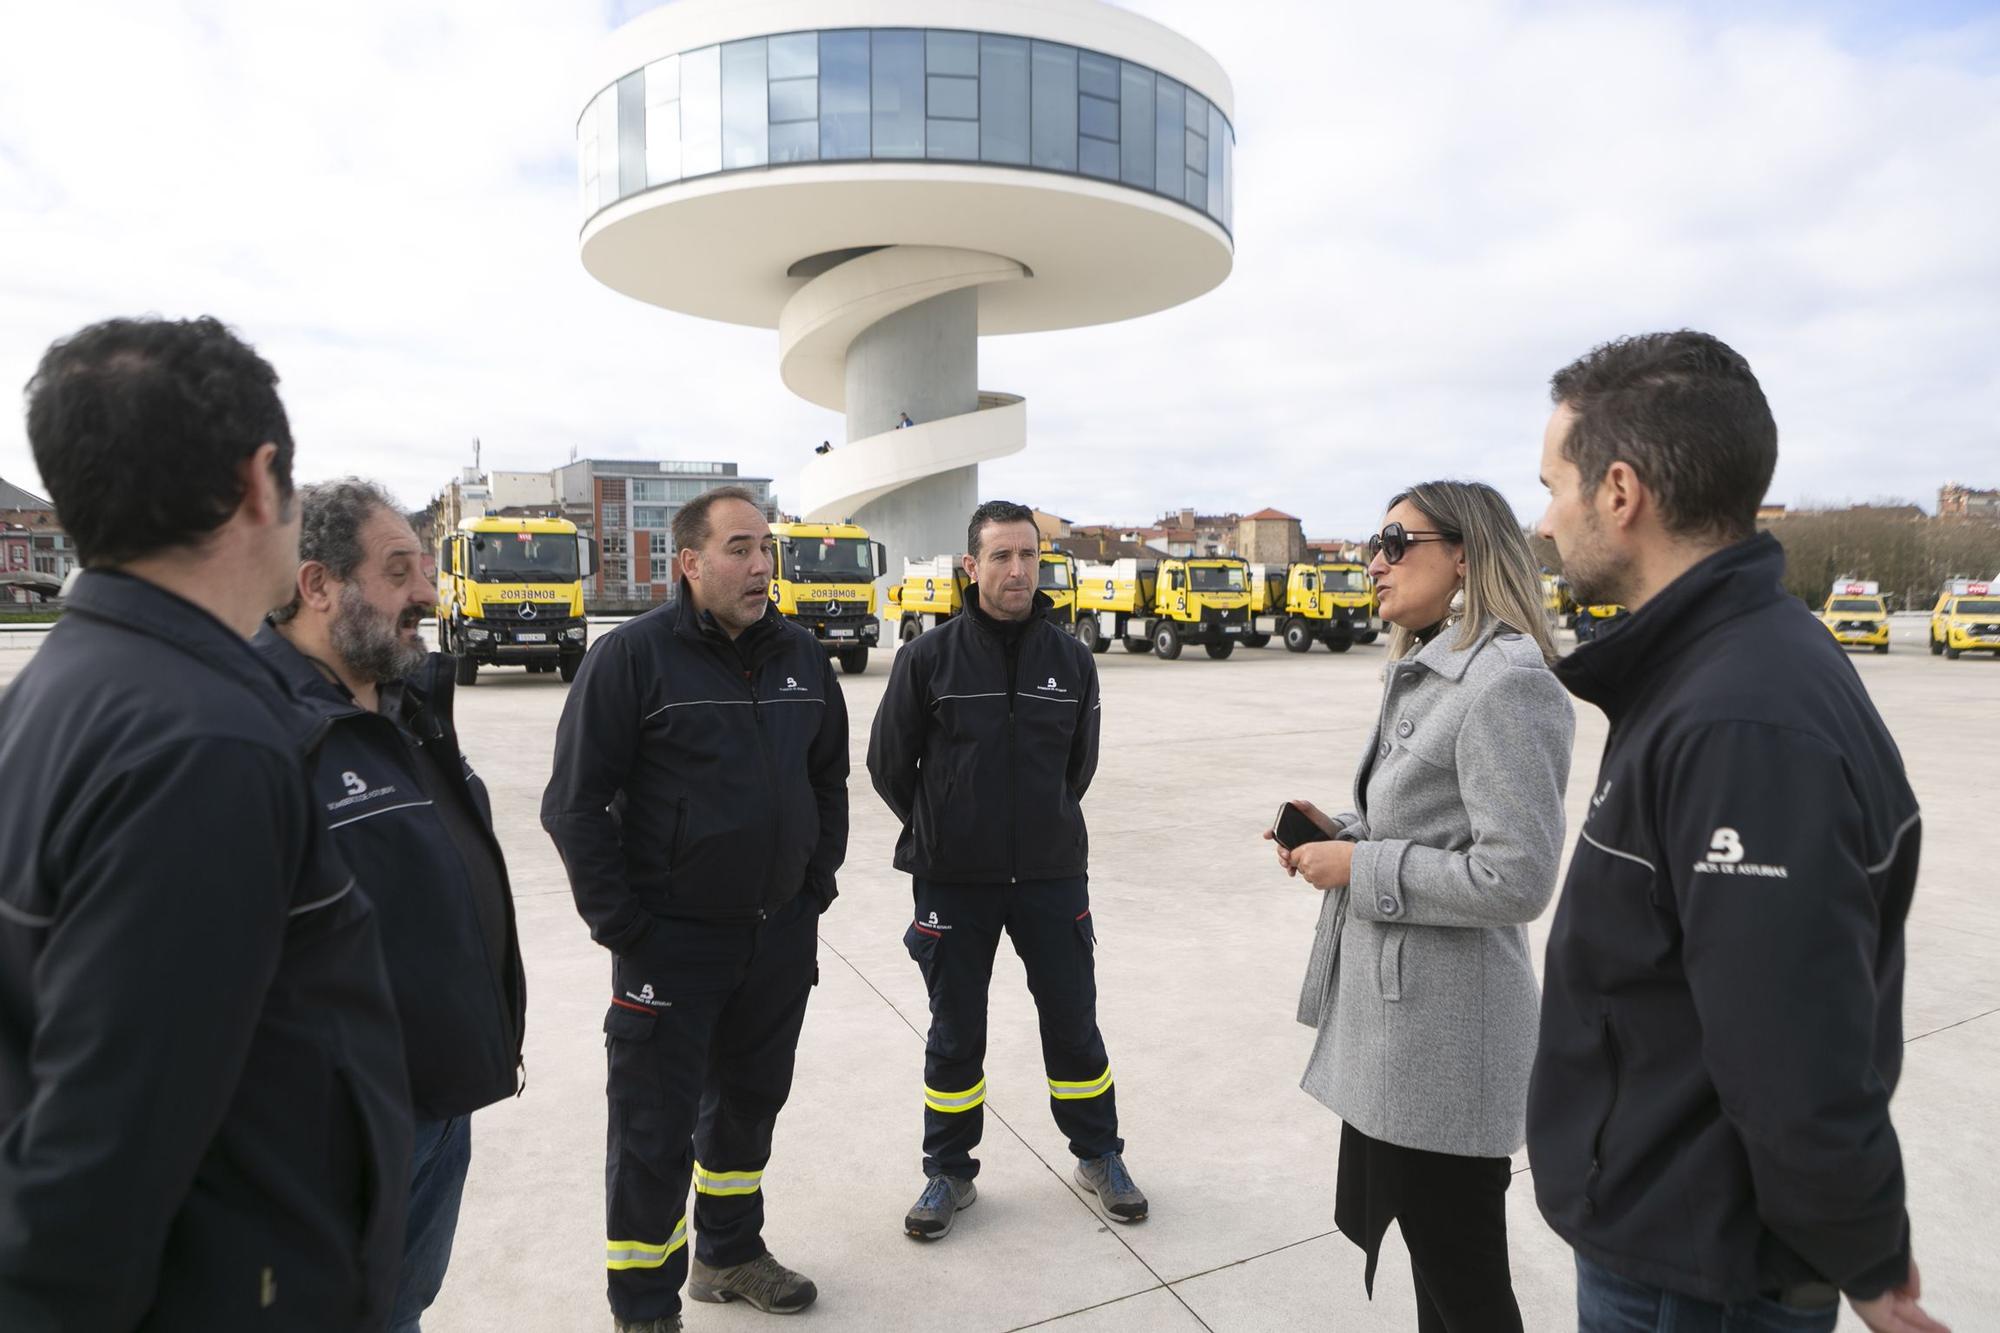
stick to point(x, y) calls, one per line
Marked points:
point(699, 801)
point(983, 747)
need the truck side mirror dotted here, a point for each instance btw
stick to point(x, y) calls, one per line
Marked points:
point(880, 556)
point(587, 556)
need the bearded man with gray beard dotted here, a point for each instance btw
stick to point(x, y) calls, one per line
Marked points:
point(413, 823)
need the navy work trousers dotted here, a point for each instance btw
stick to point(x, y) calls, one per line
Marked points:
point(702, 1032)
point(953, 939)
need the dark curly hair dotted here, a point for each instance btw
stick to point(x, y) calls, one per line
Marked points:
point(331, 517)
point(994, 511)
point(1684, 410)
point(139, 425)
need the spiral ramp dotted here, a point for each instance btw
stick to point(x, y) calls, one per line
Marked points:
point(887, 331)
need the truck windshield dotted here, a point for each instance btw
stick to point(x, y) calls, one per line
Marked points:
point(1216, 578)
point(1344, 580)
point(524, 557)
point(828, 560)
point(1054, 575)
point(1863, 605)
point(1977, 606)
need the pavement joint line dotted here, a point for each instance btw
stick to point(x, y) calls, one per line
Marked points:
point(1101, 1305)
point(1252, 1258)
point(1244, 736)
point(1109, 1227)
point(1949, 1026)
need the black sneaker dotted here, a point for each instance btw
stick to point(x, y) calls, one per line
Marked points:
point(944, 1197)
point(1107, 1178)
point(665, 1324)
point(764, 1282)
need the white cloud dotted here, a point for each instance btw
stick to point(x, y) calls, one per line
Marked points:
point(1436, 208)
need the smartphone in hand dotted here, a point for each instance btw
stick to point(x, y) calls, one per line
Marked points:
point(1292, 829)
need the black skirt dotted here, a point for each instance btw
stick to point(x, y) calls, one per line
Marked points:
point(1380, 1182)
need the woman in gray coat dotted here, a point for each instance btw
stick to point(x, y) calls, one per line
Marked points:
point(1420, 983)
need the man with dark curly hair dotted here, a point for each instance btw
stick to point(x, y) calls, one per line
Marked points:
point(204, 1119)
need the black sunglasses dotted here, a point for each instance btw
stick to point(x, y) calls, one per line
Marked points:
point(1394, 541)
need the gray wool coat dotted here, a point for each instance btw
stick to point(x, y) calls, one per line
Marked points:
point(1420, 982)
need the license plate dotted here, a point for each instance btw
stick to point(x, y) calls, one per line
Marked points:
point(1232, 629)
point(531, 638)
point(840, 634)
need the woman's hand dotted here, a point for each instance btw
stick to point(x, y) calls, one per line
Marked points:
point(1325, 865)
point(1288, 860)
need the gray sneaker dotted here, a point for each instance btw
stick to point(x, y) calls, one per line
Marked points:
point(665, 1324)
point(764, 1282)
point(944, 1197)
point(1107, 1178)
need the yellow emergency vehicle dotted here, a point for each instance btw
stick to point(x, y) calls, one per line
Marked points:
point(1857, 614)
point(933, 591)
point(1590, 622)
point(510, 593)
point(1332, 602)
point(1966, 619)
point(1161, 605)
point(824, 582)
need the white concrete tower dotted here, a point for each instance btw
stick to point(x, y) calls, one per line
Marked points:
point(882, 181)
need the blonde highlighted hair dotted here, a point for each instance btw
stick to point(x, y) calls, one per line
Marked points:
point(1502, 585)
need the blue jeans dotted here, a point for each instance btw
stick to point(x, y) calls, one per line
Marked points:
point(1609, 1303)
point(442, 1153)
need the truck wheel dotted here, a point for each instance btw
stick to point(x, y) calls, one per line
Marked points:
point(466, 672)
point(1167, 640)
point(1089, 635)
point(1339, 645)
point(1881, 647)
point(1255, 640)
point(1298, 636)
point(1367, 636)
point(854, 661)
point(568, 667)
point(1937, 645)
point(1950, 653)
point(1219, 651)
point(1141, 646)
point(912, 627)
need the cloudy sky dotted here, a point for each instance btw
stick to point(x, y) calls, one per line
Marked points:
point(1437, 206)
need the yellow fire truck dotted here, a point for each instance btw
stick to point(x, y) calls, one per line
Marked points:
point(1162, 605)
point(933, 591)
point(824, 582)
point(510, 593)
point(1332, 602)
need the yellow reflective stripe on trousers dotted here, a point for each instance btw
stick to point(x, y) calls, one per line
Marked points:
point(954, 1102)
point(644, 1254)
point(1064, 1091)
point(726, 1182)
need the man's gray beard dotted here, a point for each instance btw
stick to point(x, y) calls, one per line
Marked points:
point(368, 648)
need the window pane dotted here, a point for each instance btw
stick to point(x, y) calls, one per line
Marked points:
point(1055, 107)
point(663, 81)
point(663, 143)
point(795, 141)
point(746, 104)
point(632, 133)
point(1003, 100)
point(843, 94)
point(1197, 189)
point(953, 139)
point(899, 93)
point(1098, 158)
point(1215, 133)
point(701, 111)
point(955, 99)
point(1197, 112)
point(1096, 75)
point(1197, 149)
point(1136, 126)
point(607, 146)
point(1229, 181)
point(1098, 118)
point(648, 490)
point(1169, 111)
point(794, 99)
point(951, 52)
point(795, 55)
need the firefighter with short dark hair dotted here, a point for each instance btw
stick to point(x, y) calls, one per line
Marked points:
point(699, 801)
point(983, 747)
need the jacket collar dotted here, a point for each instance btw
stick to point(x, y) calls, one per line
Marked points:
point(752, 645)
point(327, 699)
point(421, 702)
point(1614, 671)
point(1038, 609)
point(133, 603)
point(1444, 657)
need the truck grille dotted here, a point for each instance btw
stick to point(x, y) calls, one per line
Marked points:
point(1234, 615)
point(509, 612)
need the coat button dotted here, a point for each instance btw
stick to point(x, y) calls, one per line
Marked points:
point(1405, 727)
point(1386, 905)
point(1383, 750)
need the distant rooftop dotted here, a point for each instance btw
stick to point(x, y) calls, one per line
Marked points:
point(13, 497)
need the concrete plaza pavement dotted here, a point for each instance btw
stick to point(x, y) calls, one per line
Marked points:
point(1202, 942)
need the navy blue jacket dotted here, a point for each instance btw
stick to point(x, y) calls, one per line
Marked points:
point(1722, 1014)
point(204, 1122)
point(696, 776)
point(462, 1020)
